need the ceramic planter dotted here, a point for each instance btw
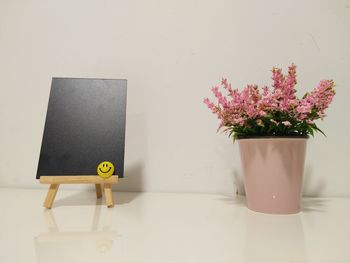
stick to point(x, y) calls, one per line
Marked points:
point(273, 173)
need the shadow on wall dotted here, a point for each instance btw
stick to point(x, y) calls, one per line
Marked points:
point(314, 205)
point(238, 182)
point(313, 186)
point(133, 180)
point(135, 154)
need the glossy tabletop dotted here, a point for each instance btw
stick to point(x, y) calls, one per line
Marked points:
point(164, 227)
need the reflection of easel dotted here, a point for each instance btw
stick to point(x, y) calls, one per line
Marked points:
point(55, 182)
point(72, 243)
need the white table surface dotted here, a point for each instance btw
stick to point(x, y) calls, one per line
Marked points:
point(163, 227)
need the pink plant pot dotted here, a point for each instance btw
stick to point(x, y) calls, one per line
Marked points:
point(273, 173)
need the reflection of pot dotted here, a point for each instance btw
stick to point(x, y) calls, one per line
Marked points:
point(274, 239)
point(273, 173)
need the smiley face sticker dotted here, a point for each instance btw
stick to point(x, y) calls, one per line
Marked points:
point(105, 169)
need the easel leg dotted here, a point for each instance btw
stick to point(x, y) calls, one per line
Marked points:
point(108, 195)
point(98, 190)
point(51, 194)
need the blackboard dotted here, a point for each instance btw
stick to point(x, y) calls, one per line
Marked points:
point(85, 125)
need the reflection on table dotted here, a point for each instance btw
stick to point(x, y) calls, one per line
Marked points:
point(97, 243)
point(274, 238)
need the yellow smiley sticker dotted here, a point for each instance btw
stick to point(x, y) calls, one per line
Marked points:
point(105, 169)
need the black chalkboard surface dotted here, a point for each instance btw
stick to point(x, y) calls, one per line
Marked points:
point(85, 125)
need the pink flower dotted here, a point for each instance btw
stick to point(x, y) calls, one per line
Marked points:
point(262, 113)
point(304, 107)
point(266, 91)
point(286, 123)
point(239, 108)
point(216, 92)
point(208, 103)
point(275, 122)
point(318, 100)
point(259, 122)
point(278, 78)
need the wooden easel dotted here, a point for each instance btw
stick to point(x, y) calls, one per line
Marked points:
point(55, 182)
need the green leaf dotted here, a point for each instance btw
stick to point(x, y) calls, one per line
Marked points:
point(310, 130)
point(305, 95)
point(318, 129)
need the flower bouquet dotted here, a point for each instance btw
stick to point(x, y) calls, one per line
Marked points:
point(272, 126)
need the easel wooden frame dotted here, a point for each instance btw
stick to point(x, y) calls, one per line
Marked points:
point(55, 182)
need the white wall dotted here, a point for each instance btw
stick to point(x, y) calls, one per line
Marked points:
point(172, 52)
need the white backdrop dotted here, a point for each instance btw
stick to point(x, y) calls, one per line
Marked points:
point(172, 52)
